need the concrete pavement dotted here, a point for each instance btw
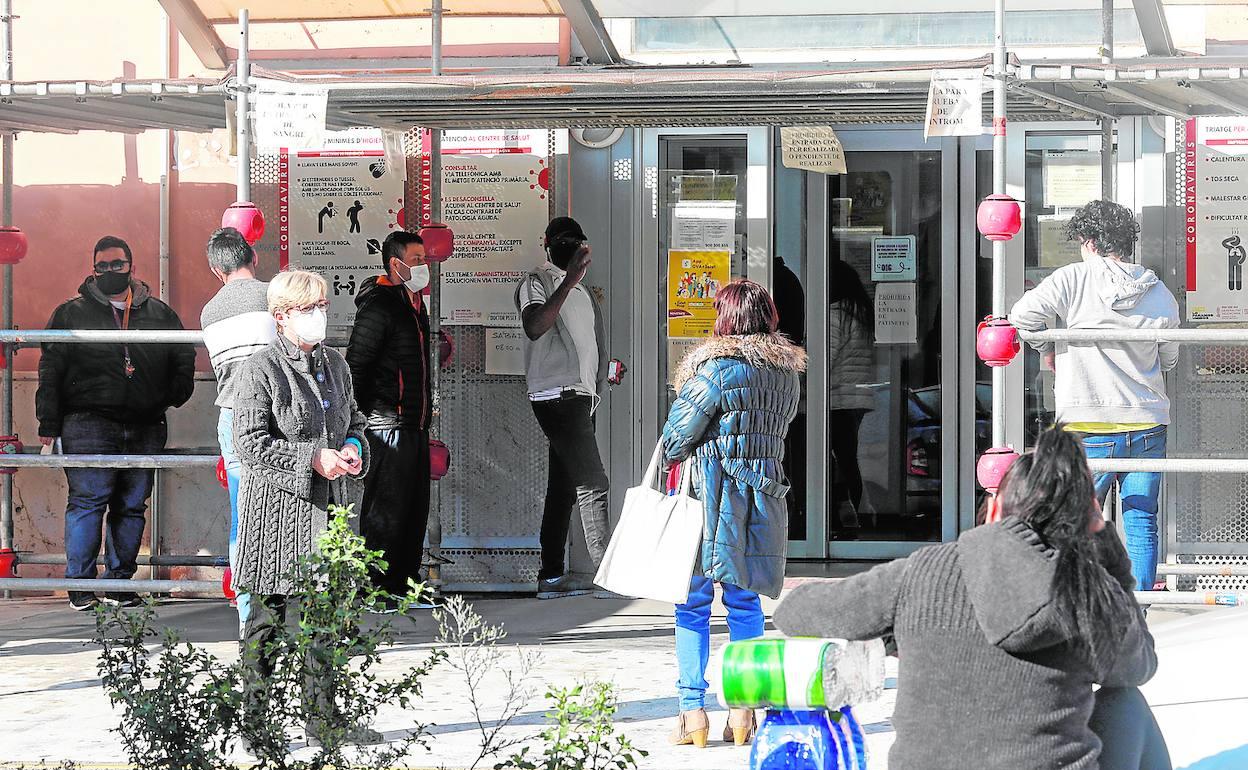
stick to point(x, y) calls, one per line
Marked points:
point(54, 708)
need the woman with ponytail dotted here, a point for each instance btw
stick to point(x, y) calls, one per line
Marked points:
point(1003, 634)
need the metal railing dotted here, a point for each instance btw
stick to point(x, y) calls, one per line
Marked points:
point(18, 338)
point(1226, 337)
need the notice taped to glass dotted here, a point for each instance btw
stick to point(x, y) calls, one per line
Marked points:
point(1215, 227)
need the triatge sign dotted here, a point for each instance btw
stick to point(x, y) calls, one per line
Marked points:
point(288, 116)
point(955, 104)
point(812, 148)
point(1215, 230)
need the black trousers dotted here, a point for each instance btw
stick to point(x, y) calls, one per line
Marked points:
point(266, 616)
point(576, 477)
point(395, 510)
point(843, 428)
point(1130, 737)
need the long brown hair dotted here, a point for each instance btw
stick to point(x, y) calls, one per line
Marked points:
point(744, 307)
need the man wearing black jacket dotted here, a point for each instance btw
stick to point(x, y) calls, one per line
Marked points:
point(389, 359)
point(110, 398)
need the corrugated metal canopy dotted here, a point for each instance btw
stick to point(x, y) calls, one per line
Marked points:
point(586, 97)
point(221, 11)
point(127, 107)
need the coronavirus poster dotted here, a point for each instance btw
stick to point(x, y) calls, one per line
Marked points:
point(495, 190)
point(336, 206)
point(1216, 218)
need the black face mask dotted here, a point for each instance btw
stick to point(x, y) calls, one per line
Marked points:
point(112, 283)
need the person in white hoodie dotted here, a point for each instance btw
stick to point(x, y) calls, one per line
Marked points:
point(1113, 393)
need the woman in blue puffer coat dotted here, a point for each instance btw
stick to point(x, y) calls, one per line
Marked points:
point(738, 392)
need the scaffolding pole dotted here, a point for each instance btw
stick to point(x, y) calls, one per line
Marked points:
point(242, 104)
point(1107, 124)
point(95, 585)
point(434, 527)
point(998, 188)
point(6, 308)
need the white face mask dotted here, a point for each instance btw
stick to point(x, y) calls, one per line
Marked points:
point(309, 327)
point(419, 280)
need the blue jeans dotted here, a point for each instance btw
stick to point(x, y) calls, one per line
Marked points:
point(1139, 492)
point(233, 472)
point(693, 633)
point(122, 493)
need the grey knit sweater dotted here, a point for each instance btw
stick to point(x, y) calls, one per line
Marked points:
point(987, 677)
point(280, 421)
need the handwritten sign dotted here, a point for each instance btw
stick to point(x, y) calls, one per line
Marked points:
point(955, 104)
point(812, 148)
point(504, 352)
point(289, 116)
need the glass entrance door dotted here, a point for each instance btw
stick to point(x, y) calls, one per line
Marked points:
point(883, 309)
point(707, 196)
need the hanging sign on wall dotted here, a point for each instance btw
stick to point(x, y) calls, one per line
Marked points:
point(495, 186)
point(1215, 228)
point(336, 205)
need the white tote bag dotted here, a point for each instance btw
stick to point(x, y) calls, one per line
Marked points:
point(652, 551)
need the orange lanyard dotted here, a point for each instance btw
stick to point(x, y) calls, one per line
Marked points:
point(123, 321)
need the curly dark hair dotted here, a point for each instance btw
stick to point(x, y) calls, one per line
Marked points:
point(1110, 227)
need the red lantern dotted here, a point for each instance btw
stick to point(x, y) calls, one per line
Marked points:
point(999, 217)
point(446, 348)
point(227, 585)
point(222, 478)
point(992, 466)
point(244, 217)
point(439, 459)
point(996, 341)
point(439, 241)
point(13, 245)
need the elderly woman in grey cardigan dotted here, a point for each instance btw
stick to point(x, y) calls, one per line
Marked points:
point(300, 438)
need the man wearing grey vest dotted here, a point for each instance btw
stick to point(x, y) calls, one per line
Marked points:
point(566, 367)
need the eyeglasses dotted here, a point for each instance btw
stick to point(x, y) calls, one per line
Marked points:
point(322, 305)
point(115, 266)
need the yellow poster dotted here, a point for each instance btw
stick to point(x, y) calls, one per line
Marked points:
point(694, 278)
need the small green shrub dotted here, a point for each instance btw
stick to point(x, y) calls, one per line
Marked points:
point(583, 734)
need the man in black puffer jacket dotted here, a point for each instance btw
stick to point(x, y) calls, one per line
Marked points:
point(110, 398)
point(389, 359)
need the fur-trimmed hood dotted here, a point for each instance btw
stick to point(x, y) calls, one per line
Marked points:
point(770, 351)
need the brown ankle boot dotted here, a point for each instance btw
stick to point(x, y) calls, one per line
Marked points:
point(691, 727)
point(741, 726)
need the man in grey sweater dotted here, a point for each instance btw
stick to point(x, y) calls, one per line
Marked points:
point(236, 324)
point(1113, 393)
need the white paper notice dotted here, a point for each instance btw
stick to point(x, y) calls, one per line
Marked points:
point(504, 351)
point(955, 104)
point(895, 322)
point(812, 148)
point(702, 227)
point(288, 115)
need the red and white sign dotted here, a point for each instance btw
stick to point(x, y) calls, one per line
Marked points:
point(495, 189)
point(1215, 218)
point(336, 206)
